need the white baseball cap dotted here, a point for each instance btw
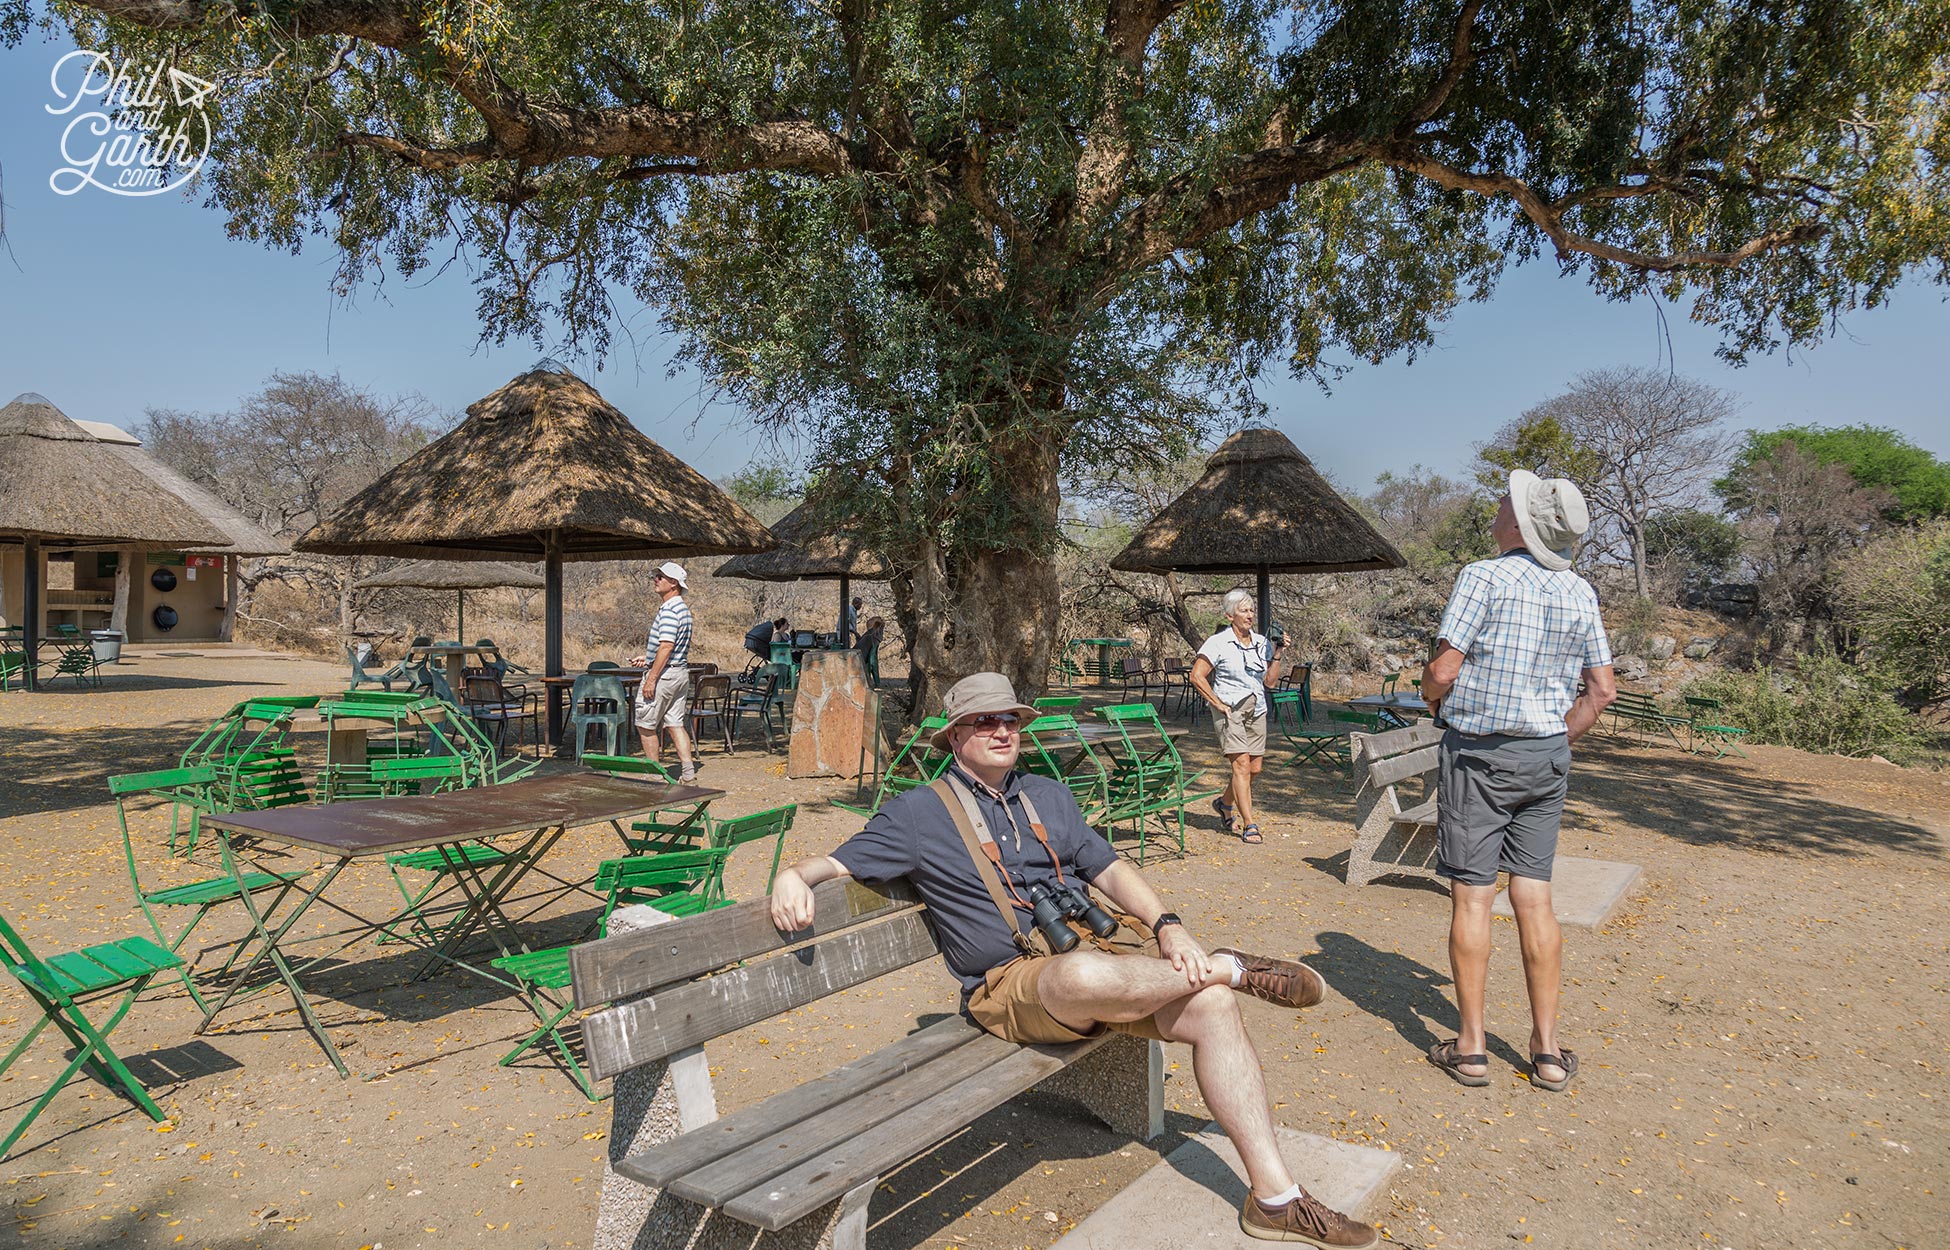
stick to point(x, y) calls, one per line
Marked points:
point(675, 572)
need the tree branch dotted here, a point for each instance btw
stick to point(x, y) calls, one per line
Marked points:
point(1460, 59)
point(1104, 165)
point(1548, 216)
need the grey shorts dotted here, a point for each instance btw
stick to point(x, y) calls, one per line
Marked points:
point(1498, 803)
point(668, 702)
point(1242, 731)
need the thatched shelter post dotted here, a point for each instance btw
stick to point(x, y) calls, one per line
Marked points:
point(30, 643)
point(118, 612)
point(552, 629)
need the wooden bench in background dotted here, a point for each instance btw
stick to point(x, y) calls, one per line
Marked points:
point(797, 1169)
point(1391, 837)
point(1642, 712)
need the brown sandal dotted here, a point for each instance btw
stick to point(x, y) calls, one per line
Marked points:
point(1443, 1055)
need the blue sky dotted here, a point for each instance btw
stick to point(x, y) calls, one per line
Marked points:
point(110, 305)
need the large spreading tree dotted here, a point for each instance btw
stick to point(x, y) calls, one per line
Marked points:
point(970, 250)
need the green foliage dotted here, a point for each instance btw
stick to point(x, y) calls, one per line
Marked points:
point(1541, 443)
point(1694, 541)
point(1434, 521)
point(1820, 702)
point(1896, 593)
point(1632, 625)
point(1875, 457)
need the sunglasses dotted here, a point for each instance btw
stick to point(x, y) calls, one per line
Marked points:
point(989, 722)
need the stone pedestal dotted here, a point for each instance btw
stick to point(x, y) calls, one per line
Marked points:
point(833, 712)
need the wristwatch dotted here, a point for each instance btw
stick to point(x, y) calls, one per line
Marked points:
point(1165, 918)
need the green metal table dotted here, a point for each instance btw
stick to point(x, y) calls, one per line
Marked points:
point(536, 812)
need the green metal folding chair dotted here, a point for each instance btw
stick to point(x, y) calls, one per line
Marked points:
point(61, 987)
point(680, 883)
point(185, 787)
point(729, 835)
point(914, 763)
point(429, 774)
point(1044, 741)
point(1704, 728)
point(1148, 778)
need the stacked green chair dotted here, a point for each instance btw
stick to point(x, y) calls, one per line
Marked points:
point(1323, 746)
point(77, 658)
point(680, 883)
point(1059, 703)
point(914, 763)
point(436, 868)
point(247, 746)
point(1044, 741)
point(191, 789)
point(61, 987)
point(1147, 778)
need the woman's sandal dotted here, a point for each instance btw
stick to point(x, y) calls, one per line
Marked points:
point(1443, 1055)
point(1225, 811)
point(1251, 835)
point(1565, 1059)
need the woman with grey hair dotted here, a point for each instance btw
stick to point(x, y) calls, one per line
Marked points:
point(1233, 672)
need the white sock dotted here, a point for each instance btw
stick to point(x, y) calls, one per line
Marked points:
point(1280, 1199)
point(1238, 971)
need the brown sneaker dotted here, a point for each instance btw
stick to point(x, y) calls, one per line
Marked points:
point(1306, 1220)
point(1282, 981)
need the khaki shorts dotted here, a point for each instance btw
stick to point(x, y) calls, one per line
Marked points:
point(668, 704)
point(1007, 1004)
point(1242, 732)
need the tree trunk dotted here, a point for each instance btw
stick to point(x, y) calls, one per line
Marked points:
point(987, 610)
point(1635, 536)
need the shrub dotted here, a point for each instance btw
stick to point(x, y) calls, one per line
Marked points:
point(1820, 702)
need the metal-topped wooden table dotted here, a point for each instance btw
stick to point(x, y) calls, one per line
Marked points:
point(1396, 707)
point(540, 809)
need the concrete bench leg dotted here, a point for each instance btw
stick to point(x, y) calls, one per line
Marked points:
point(1122, 1082)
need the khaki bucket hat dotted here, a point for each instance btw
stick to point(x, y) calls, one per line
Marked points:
point(1551, 515)
point(974, 695)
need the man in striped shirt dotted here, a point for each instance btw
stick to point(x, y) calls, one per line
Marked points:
point(1519, 632)
point(664, 699)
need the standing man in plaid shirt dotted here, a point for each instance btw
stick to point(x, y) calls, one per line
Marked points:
point(1517, 635)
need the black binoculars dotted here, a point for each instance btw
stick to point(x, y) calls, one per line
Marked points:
point(1051, 905)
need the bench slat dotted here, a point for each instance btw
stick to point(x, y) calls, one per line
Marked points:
point(1395, 741)
point(1420, 814)
point(718, 1183)
point(797, 1193)
point(633, 963)
point(684, 1154)
point(635, 1033)
point(1400, 768)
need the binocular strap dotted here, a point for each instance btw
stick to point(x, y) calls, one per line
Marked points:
point(974, 832)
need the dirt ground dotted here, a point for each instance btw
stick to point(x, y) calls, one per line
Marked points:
point(1762, 1026)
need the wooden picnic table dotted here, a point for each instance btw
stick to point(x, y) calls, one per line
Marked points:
point(541, 810)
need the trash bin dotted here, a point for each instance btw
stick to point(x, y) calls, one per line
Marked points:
point(108, 644)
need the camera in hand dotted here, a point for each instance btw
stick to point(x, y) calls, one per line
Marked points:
point(1051, 905)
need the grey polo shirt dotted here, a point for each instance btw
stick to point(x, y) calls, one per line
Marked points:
point(914, 837)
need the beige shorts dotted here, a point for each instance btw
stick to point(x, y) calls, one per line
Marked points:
point(1008, 1005)
point(1242, 732)
point(668, 704)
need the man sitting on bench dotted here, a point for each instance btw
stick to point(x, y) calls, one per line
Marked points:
point(985, 892)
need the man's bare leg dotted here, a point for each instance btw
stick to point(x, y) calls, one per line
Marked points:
point(1084, 987)
point(682, 741)
point(652, 743)
point(1469, 959)
point(1543, 964)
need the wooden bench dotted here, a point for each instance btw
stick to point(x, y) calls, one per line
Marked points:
point(1642, 711)
point(797, 1169)
point(1390, 837)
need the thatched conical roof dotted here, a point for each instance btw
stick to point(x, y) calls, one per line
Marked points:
point(456, 575)
point(1260, 504)
point(807, 548)
point(60, 484)
point(544, 454)
point(247, 538)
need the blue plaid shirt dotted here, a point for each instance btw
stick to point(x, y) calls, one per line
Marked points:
point(1526, 633)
